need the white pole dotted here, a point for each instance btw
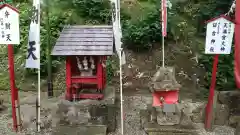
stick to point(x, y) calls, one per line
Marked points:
point(120, 70)
point(164, 28)
point(163, 52)
point(38, 102)
point(163, 4)
point(39, 77)
point(121, 92)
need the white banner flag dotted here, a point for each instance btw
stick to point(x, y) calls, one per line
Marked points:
point(33, 52)
point(117, 30)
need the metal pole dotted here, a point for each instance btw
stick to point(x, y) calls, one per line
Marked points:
point(50, 85)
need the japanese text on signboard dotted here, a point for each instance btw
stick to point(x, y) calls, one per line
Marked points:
point(219, 36)
point(9, 26)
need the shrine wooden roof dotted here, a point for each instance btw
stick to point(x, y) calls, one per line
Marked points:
point(85, 40)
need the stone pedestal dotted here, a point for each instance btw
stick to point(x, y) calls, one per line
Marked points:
point(184, 127)
point(86, 117)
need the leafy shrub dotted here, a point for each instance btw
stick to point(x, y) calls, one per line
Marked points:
point(93, 10)
point(110, 71)
point(5, 1)
point(86, 11)
point(225, 71)
point(140, 35)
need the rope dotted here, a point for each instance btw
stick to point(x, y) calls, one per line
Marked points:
point(232, 8)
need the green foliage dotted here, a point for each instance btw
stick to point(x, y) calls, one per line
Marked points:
point(225, 76)
point(56, 23)
point(86, 11)
point(93, 10)
point(110, 71)
point(141, 27)
point(140, 36)
point(5, 1)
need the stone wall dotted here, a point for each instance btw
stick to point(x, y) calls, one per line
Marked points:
point(228, 110)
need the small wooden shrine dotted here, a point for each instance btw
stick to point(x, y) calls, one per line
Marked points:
point(86, 49)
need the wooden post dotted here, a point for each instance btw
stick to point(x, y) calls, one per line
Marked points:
point(14, 94)
point(68, 78)
point(49, 58)
point(209, 108)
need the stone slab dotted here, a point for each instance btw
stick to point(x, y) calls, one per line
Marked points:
point(81, 130)
point(156, 129)
point(165, 133)
point(234, 120)
point(221, 115)
point(230, 98)
point(167, 129)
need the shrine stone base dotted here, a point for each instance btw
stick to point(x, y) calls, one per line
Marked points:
point(86, 117)
point(184, 127)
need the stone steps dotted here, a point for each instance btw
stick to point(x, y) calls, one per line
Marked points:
point(154, 129)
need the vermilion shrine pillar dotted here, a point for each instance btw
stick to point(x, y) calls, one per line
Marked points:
point(237, 44)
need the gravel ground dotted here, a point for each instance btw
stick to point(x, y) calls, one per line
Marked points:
point(118, 128)
point(132, 106)
point(6, 125)
point(218, 130)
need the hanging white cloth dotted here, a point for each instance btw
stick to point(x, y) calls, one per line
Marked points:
point(33, 54)
point(117, 30)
